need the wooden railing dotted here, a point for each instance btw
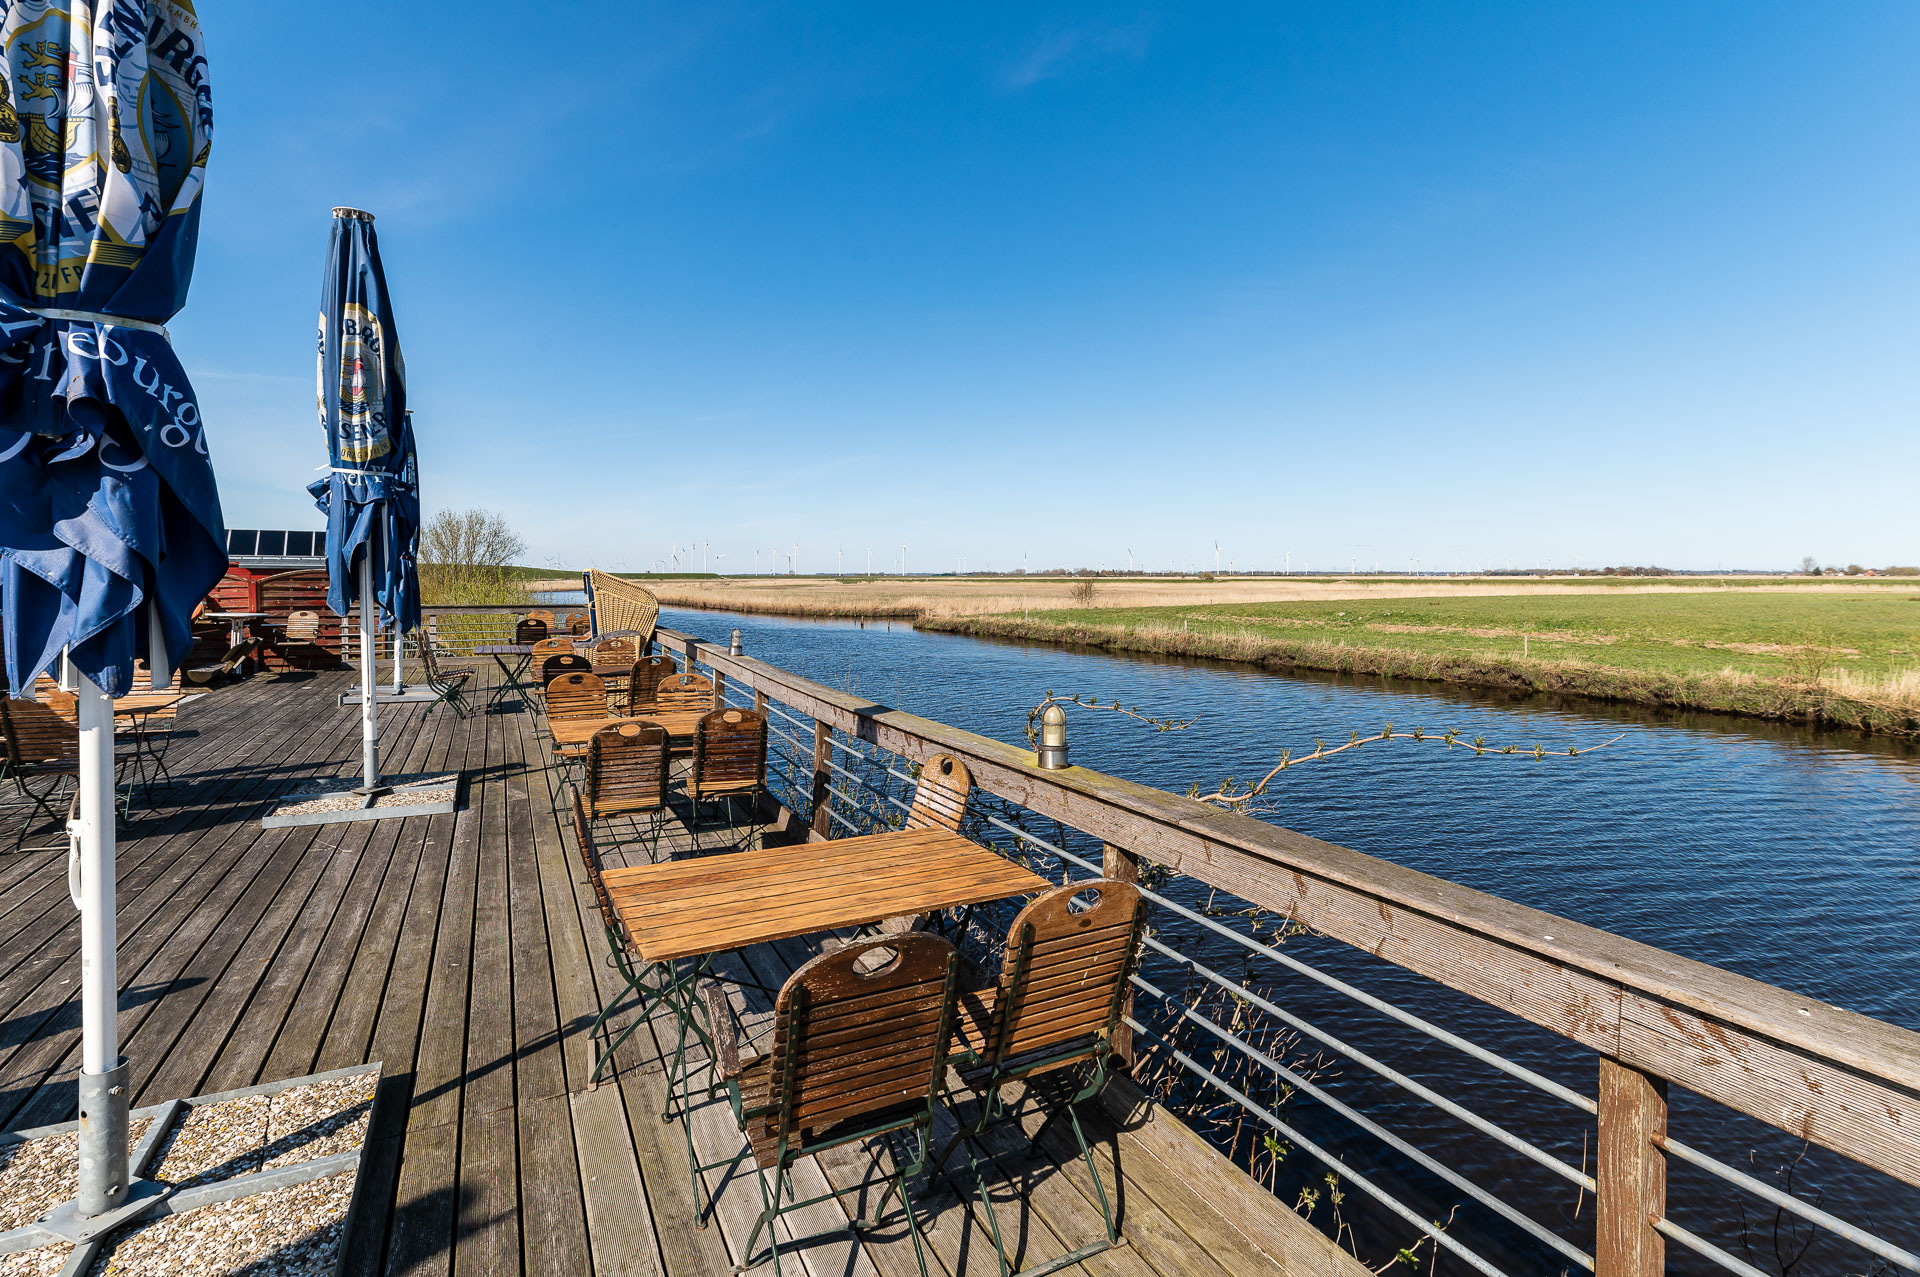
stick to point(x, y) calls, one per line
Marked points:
point(1832, 1077)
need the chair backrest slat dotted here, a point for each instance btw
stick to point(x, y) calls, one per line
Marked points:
point(684, 691)
point(940, 796)
point(1064, 976)
point(529, 629)
point(303, 626)
point(576, 696)
point(575, 623)
point(627, 769)
point(861, 1030)
point(556, 646)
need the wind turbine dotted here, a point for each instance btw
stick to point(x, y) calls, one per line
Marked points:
point(903, 558)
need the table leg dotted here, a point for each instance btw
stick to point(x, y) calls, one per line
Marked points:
point(510, 684)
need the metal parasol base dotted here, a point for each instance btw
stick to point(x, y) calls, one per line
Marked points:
point(339, 800)
point(147, 1198)
point(408, 694)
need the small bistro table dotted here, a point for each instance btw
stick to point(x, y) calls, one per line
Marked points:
point(512, 685)
point(237, 630)
point(691, 911)
point(138, 708)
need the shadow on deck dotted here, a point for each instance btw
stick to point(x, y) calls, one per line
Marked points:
point(464, 951)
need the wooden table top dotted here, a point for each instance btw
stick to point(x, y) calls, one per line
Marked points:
point(504, 649)
point(574, 733)
point(147, 702)
point(687, 908)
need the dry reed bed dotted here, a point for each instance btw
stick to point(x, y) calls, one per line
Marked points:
point(947, 597)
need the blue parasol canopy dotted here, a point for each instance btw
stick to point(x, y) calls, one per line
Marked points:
point(372, 497)
point(110, 527)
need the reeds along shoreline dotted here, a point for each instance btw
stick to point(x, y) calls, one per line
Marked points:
point(1730, 692)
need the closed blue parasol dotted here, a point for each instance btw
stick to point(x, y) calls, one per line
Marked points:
point(372, 494)
point(110, 529)
point(107, 497)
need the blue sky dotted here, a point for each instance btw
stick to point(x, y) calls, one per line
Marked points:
point(1625, 283)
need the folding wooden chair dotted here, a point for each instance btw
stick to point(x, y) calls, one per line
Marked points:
point(626, 775)
point(643, 684)
point(860, 1043)
point(683, 692)
point(562, 663)
point(43, 744)
point(729, 763)
point(576, 623)
point(571, 696)
point(529, 629)
point(448, 685)
point(1059, 997)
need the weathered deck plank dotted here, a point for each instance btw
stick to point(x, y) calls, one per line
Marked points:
point(464, 952)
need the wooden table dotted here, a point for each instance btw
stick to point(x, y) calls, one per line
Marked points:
point(696, 908)
point(570, 735)
point(138, 708)
point(683, 914)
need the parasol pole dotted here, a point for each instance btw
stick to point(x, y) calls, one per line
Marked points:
point(369, 681)
point(103, 1074)
point(398, 642)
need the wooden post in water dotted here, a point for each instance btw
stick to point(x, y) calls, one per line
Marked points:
point(1121, 865)
point(1632, 1173)
point(822, 754)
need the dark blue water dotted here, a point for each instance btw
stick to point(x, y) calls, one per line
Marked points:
point(1785, 855)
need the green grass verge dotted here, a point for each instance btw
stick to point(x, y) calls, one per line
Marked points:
point(1849, 660)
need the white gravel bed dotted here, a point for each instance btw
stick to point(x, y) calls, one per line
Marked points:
point(319, 797)
point(292, 1232)
point(38, 1175)
point(44, 1262)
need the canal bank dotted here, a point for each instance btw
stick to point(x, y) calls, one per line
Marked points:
point(1723, 691)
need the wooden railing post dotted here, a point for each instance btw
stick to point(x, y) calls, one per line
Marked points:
point(822, 753)
point(1632, 1173)
point(1121, 865)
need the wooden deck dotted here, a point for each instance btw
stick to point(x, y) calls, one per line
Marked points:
point(464, 952)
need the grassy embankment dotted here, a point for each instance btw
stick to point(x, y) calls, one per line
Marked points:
point(1841, 659)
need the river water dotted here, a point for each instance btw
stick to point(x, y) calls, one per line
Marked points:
point(1783, 854)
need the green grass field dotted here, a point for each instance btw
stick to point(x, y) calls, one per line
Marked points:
point(1839, 659)
point(1873, 636)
